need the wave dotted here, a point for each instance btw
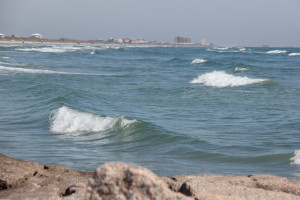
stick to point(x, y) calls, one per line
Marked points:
point(53, 49)
point(221, 48)
point(276, 51)
point(42, 71)
point(296, 159)
point(222, 79)
point(198, 61)
point(67, 120)
point(241, 69)
point(294, 54)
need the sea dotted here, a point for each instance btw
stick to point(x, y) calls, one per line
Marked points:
point(173, 109)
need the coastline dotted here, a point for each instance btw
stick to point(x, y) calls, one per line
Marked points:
point(21, 179)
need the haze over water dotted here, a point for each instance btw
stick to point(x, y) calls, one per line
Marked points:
point(175, 110)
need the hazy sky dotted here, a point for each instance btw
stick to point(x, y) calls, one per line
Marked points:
point(240, 22)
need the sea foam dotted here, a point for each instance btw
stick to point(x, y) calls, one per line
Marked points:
point(294, 54)
point(42, 71)
point(53, 49)
point(198, 61)
point(67, 120)
point(296, 158)
point(276, 51)
point(222, 79)
point(241, 69)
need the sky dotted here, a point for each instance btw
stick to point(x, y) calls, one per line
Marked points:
point(223, 22)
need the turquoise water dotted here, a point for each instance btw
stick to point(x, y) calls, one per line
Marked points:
point(175, 110)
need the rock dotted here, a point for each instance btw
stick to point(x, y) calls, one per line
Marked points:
point(29, 180)
point(228, 187)
point(126, 181)
point(23, 180)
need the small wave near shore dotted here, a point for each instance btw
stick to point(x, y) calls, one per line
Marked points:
point(68, 120)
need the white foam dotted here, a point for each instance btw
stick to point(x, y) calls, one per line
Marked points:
point(296, 158)
point(198, 61)
point(5, 57)
point(222, 79)
point(276, 51)
point(41, 71)
point(53, 49)
point(241, 69)
point(221, 48)
point(67, 120)
point(294, 54)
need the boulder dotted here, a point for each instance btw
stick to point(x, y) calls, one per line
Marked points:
point(127, 181)
point(29, 180)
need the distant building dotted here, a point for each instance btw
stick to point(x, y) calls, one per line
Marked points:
point(139, 41)
point(203, 42)
point(182, 40)
point(15, 36)
point(126, 40)
point(2, 35)
point(37, 35)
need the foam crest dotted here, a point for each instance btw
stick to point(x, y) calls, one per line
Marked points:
point(294, 54)
point(296, 158)
point(276, 51)
point(222, 79)
point(42, 71)
point(198, 61)
point(67, 120)
point(241, 69)
point(53, 49)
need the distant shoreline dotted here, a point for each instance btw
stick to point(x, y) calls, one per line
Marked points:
point(65, 41)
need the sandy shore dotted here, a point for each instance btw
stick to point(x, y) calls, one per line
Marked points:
point(21, 179)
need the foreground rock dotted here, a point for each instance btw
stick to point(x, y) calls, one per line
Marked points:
point(221, 187)
point(116, 180)
point(29, 180)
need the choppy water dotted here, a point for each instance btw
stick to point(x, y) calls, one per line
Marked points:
point(175, 110)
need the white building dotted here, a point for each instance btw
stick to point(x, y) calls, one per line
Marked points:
point(37, 35)
point(203, 42)
point(2, 35)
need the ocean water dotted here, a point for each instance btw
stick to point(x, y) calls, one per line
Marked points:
point(174, 110)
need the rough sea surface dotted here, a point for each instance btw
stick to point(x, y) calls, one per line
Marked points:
point(174, 110)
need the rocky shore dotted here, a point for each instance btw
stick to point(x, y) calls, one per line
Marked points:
point(21, 179)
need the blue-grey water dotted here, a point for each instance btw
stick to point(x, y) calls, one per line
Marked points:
point(174, 110)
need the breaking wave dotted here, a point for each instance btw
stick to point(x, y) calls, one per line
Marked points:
point(198, 61)
point(41, 71)
point(296, 159)
point(276, 51)
point(241, 69)
point(53, 49)
point(222, 79)
point(68, 120)
point(294, 54)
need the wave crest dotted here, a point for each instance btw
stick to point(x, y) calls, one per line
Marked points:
point(44, 71)
point(222, 79)
point(198, 61)
point(276, 51)
point(294, 54)
point(67, 120)
point(52, 49)
point(296, 159)
point(241, 69)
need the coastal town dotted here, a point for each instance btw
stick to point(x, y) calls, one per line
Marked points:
point(38, 38)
